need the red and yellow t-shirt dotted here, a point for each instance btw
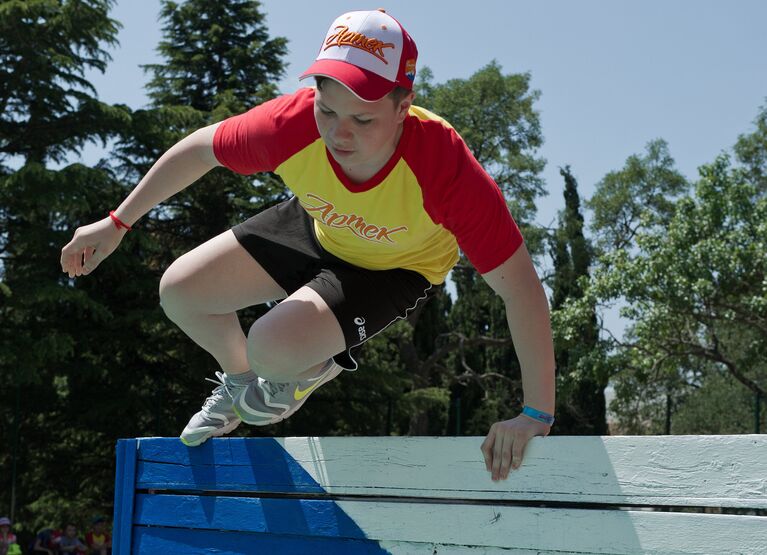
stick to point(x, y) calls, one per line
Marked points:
point(431, 197)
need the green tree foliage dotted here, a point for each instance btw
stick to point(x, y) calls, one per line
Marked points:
point(217, 54)
point(47, 108)
point(494, 114)
point(751, 151)
point(52, 368)
point(569, 248)
point(636, 198)
point(719, 394)
point(218, 61)
point(580, 384)
point(696, 297)
point(645, 186)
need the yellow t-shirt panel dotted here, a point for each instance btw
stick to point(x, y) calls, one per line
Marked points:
point(382, 228)
point(430, 199)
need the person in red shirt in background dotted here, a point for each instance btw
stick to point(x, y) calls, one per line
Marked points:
point(98, 540)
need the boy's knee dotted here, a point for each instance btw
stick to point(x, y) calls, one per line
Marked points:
point(270, 356)
point(165, 292)
point(172, 292)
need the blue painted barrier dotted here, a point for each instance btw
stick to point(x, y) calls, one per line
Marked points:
point(428, 496)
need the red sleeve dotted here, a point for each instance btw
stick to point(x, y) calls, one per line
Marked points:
point(264, 137)
point(460, 195)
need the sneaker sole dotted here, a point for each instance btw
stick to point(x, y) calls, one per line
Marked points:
point(287, 413)
point(214, 433)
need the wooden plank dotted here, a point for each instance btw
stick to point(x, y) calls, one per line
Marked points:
point(165, 541)
point(564, 530)
point(210, 477)
point(569, 530)
point(319, 518)
point(410, 548)
point(125, 477)
point(715, 471)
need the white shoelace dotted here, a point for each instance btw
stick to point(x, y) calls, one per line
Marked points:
point(217, 393)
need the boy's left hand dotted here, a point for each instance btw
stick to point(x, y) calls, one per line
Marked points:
point(504, 445)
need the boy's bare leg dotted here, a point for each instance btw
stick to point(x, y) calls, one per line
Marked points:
point(289, 349)
point(202, 290)
point(295, 339)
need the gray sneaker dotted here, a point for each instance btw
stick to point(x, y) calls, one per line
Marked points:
point(216, 417)
point(264, 402)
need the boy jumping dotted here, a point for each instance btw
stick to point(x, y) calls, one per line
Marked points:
point(385, 194)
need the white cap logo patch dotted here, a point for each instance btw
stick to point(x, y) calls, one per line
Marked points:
point(376, 40)
point(344, 37)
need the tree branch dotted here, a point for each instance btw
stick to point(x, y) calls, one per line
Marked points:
point(461, 342)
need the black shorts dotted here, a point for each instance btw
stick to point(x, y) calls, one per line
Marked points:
point(365, 302)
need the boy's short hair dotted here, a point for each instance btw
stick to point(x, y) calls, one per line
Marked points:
point(397, 95)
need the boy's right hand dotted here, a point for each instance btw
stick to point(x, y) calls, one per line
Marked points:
point(90, 245)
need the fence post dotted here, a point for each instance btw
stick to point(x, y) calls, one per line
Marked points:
point(457, 416)
point(16, 418)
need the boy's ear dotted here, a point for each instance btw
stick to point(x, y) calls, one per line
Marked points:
point(405, 105)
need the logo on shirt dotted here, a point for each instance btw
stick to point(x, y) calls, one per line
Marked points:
point(344, 37)
point(326, 212)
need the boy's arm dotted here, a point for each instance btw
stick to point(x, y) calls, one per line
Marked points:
point(527, 313)
point(184, 163)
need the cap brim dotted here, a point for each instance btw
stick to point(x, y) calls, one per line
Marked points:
point(365, 84)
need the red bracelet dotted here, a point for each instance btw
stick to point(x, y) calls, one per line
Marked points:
point(117, 221)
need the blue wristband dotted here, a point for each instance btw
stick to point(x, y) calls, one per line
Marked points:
point(538, 415)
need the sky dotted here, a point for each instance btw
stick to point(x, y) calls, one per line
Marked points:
point(613, 76)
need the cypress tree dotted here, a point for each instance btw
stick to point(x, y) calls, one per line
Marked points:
point(580, 397)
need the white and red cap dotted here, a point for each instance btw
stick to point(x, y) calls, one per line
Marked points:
point(369, 52)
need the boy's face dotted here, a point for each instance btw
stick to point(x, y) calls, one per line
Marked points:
point(71, 531)
point(360, 135)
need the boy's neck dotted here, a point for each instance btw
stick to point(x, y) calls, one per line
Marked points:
point(365, 173)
